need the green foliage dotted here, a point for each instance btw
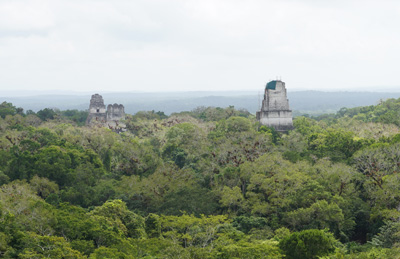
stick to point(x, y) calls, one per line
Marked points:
point(232, 198)
point(189, 230)
point(388, 236)
point(217, 113)
point(43, 187)
point(190, 199)
point(46, 114)
point(320, 215)
point(105, 252)
point(245, 224)
point(271, 131)
point(79, 117)
point(210, 183)
point(308, 244)
point(386, 112)
point(175, 154)
point(130, 223)
point(374, 253)
point(251, 250)
point(36, 246)
point(9, 109)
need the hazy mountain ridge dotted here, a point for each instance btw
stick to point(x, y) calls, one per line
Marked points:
point(311, 102)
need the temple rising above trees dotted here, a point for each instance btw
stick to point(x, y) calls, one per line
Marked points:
point(275, 111)
point(98, 115)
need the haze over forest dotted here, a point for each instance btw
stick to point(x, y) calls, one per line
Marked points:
point(301, 102)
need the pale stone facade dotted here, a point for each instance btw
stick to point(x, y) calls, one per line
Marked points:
point(275, 110)
point(98, 115)
point(97, 110)
point(115, 112)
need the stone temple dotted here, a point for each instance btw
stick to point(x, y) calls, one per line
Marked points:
point(98, 115)
point(275, 110)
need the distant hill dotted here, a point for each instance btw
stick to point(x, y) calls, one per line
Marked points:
point(316, 102)
point(301, 102)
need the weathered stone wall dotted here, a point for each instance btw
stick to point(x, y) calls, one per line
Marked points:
point(97, 110)
point(276, 100)
point(97, 104)
point(115, 112)
point(279, 120)
point(275, 111)
point(99, 115)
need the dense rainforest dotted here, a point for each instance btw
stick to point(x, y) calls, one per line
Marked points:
point(209, 183)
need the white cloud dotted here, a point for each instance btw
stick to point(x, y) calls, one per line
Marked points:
point(25, 15)
point(194, 45)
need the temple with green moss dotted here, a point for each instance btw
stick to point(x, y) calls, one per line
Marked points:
point(275, 111)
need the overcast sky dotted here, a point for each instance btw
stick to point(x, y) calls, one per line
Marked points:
point(185, 45)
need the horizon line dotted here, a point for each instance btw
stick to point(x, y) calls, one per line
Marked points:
point(26, 93)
